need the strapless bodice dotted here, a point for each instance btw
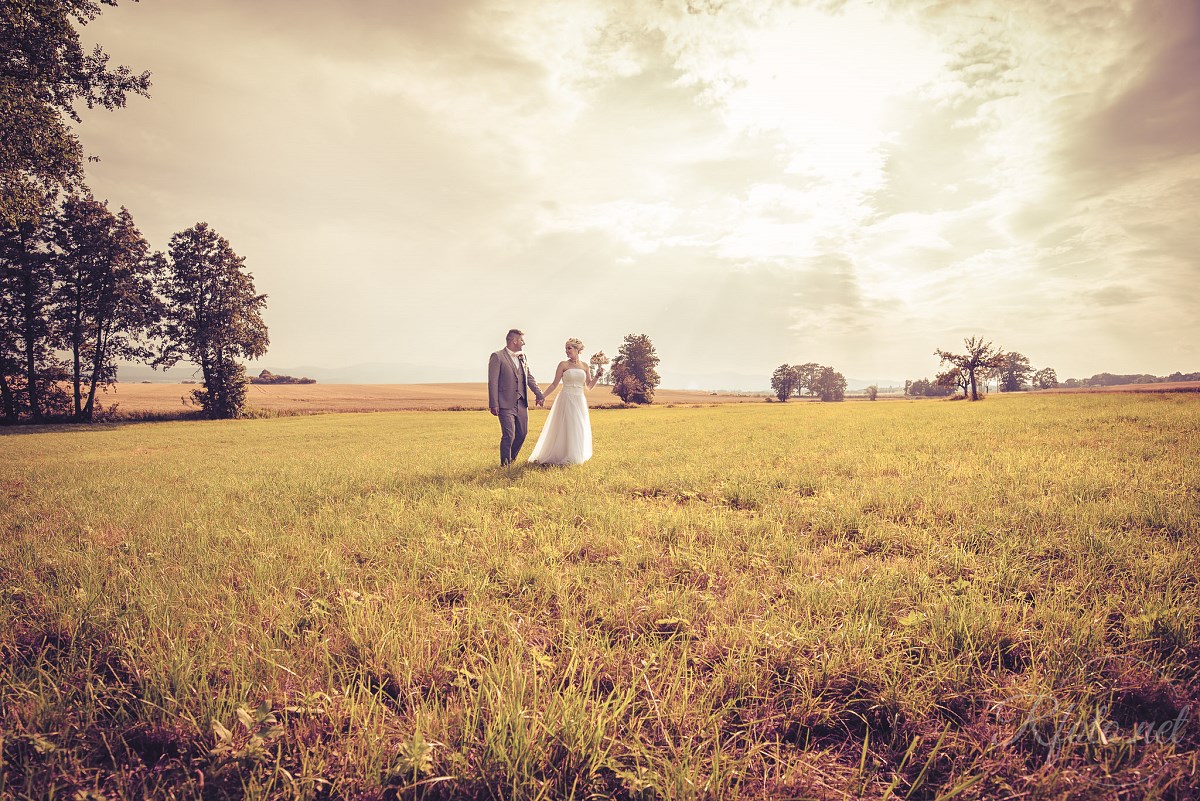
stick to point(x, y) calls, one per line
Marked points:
point(574, 378)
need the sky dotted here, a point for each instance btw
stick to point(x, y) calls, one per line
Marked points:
point(748, 183)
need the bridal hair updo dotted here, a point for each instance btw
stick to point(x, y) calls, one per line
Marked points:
point(576, 343)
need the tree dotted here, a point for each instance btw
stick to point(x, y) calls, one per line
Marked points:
point(980, 356)
point(1045, 378)
point(30, 369)
point(633, 371)
point(924, 388)
point(783, 381)
point(951, 380)
point(9, 353)
point(44, 71)
point(830, 385)
point(1013, 371)
point(872, 392)
point(104, 300)
point(599, 361)
point(806, 377)
point(212, 316)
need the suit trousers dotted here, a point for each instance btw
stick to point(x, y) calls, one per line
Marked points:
point(514, 425)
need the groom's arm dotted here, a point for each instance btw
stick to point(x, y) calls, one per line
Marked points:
point(494, 384)
point(537, 391)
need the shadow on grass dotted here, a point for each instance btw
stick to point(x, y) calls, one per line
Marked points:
point(493, 476)
point(83, 426)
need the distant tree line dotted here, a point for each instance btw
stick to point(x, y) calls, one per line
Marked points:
point(926, 388)
point(267, 377)
point(79, 287)
point(980, 363)
point(810, 379)
point(1011, 371)
point(1113, 380)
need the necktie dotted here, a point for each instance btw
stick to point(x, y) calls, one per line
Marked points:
point(521, 373)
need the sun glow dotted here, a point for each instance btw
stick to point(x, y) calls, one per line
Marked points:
point(825, 84)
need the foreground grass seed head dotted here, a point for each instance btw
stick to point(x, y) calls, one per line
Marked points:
point(903, 599)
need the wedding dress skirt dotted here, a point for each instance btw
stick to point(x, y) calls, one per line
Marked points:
point(566, 437)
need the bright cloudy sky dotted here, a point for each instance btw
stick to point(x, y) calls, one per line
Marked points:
point(749, 183)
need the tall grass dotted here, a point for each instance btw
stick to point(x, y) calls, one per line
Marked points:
point(903, 600)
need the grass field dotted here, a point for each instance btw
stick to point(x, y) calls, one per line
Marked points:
point(885, 600)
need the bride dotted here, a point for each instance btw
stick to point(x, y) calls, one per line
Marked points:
point(566, 437)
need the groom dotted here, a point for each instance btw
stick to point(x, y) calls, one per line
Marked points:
point(509, 382)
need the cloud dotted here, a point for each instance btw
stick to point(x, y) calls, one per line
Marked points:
point(1156, 118)
point(1115, 295)
point(751, 182)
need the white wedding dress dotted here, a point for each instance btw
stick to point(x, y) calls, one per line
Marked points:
point(566, 437)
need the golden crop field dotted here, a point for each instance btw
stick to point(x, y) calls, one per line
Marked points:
point(160, 399)
point(924, 600)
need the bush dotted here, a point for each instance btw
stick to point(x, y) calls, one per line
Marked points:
point(267, 377)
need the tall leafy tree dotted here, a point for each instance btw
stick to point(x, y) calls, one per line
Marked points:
point(830, 385)
point(806, 376)
point(1045, 378)
point(979, 357)
point(783, 381)
point(1013, 371)
point(106, 304)
point(633, 373)
point(44, 74)
point(212, 316)
point(29, 363)
point(951, 380)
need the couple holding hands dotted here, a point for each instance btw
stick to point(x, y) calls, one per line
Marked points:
point(566, 437)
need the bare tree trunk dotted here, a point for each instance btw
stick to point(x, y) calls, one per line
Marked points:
point(209, 371)
point(7, 401)
point(31, 376)
point(77, 346)
point(76, 377)
point(97, 361)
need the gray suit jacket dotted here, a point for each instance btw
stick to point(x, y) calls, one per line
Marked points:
point(504, 386)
